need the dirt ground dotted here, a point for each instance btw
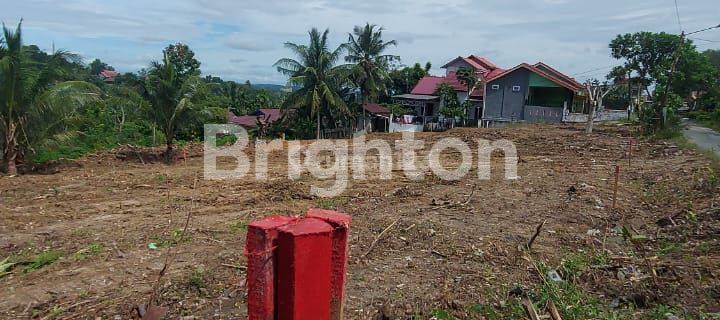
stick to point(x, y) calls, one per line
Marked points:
point(90, 239)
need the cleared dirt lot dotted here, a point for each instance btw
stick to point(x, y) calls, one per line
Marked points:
point(449, 254)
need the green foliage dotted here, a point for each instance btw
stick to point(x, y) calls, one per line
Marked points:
point(651, 57)
point(238, 226)
point(118, 119)
point(97, 66)
point(197, 279)
point(403, 80)
point(89, 251)
point(43, 259)
point(451, 106)
point(183, 60)
point(369, 72)
point(319, 79)
point(36, 104)
point(397, 109)
point(6, 266)
point(707, 118)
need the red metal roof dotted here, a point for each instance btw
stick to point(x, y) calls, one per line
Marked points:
point(487, 64)
point(109, 73)
point(243, 121)
point(270, 115)
point(250, 121)
point(376, 108)
point(428, 85)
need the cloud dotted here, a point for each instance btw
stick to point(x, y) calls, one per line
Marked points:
point(241, 40)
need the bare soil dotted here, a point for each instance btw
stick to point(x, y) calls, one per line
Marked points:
point(456, 251)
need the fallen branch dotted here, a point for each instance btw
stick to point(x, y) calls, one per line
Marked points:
point(530, 309)
point(554, 314)
point(537, 232)
point(372, 245)
point(233, 266)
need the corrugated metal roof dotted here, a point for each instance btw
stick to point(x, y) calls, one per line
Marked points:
point(416, 96)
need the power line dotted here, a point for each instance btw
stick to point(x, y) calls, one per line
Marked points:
point(701, 30)
point(593, 70)
point(706, 40)
point(677, 12)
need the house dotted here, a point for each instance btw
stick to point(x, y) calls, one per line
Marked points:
point(109, 75)
point(529, 93)
point(251, 121)
point(379, 117)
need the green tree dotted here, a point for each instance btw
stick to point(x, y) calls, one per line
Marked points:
point(169, 96)
point(97, 66)
point(467, 77)
point(34, 106)
point(450, 105)
point(651, 57)
point(318, 76)
point(404, 80)
point(365, 48)
point(647, 54)
point(183, 60)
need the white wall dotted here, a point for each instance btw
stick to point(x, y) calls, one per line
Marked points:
point(398, 127)
point(605, 115)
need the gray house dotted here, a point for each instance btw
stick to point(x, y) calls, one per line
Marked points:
point(529, 93)
point(525, 93)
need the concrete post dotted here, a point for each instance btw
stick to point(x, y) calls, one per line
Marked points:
point(340, 223)
point(304, 270)
point(261, 262)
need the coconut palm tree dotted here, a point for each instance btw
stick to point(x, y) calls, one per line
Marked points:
point(318, 76)
point(35, 105)
point(169, 95)
point(370, 71)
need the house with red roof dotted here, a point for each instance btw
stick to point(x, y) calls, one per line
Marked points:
point(261, 116)
point(530, 93)
point(109, 75)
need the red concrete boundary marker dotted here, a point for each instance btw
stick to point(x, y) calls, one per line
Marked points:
point(260, 251)
point(296, 266)
point(340, 223)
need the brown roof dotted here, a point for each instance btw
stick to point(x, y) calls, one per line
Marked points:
point(553, 71)
point(570, 86)
point(376, 108)
point(243, 121)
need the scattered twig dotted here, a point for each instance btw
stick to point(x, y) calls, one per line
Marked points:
point(467, 200)
point(615, 188)
point(438, 253)
point(537, 232)
point(152, 310)
point(372, 245)
point(553, 310)
point(530, 309)
point(233, 266)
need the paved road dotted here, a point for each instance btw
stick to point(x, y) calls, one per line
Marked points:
point(704, 138)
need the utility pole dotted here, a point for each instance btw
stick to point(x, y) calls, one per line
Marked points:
point(630, 100)
point(677, 54)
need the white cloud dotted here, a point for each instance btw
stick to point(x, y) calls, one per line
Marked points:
point(242, 39)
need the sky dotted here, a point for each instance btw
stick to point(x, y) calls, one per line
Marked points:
point(240, 40)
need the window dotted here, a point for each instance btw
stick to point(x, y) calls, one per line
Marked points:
point(516, 88)
point(495, 87)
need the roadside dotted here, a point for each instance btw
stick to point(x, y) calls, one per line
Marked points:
point(705, 138)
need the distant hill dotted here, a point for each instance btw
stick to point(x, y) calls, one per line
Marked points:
point(267, 86)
